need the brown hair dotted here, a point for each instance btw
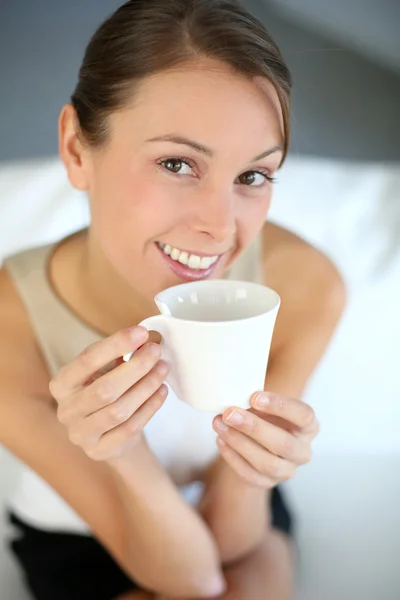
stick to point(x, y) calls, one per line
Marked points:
point(145, 37)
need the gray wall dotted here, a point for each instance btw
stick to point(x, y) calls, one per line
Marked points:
point(343, 105)
point(368, 26)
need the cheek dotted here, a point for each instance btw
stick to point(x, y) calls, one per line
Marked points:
point(122, 200)
point(146, 208)
point(253, 214)
point(262, 210)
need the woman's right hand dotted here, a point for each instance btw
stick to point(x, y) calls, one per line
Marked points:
point(104, 402)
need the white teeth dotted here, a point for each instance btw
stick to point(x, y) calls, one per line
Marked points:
point(183, 258)
point(206, 262)
point(175, 253)
point(193, 261)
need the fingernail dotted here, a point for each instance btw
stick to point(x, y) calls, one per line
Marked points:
point(221, 442)
point(220, 425)
point(138, 333)
point(235, 418)
point(261, 401)
point(162, 367)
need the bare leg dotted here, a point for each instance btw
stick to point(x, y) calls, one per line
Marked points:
point(266, 574)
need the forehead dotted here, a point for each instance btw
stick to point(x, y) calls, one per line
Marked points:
point(207, 99)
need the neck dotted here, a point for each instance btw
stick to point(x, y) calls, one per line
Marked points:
point(105, 301)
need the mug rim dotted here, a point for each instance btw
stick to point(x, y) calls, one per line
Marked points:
point(229, 282)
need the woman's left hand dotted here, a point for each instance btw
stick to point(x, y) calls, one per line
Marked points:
point(265, 444)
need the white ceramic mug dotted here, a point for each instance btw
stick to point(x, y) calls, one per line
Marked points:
point(216, 340)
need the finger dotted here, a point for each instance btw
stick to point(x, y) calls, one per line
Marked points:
point(74, 375)
point(106, 390)
point(263, 461)
point(242, 467)
point(119, 412)
point(273, 438)
point(112, 443)
point(295, 411)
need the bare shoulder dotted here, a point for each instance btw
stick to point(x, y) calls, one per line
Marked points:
point(21, 363)
point(24, 379)
point(291, 261)
point(313, 298)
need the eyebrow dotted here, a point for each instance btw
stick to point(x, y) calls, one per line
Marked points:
point(178, 139)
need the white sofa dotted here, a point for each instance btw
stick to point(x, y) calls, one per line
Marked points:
point(346, 500)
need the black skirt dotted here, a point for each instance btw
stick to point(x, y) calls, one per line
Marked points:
point(67, 566)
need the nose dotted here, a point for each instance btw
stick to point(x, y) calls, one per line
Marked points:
point(215, 214)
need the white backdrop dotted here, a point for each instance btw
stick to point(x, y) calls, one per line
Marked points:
point(347, 498)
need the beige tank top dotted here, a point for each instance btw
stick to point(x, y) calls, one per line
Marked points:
point(181, 438)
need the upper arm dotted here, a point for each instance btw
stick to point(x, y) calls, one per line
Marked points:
point(30, 430)
point(313, 298)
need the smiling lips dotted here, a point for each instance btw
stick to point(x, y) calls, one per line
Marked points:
point(193, 261)
point(187, 265)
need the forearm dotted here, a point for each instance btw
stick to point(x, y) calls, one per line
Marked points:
point(236, 513)
point(170, 548)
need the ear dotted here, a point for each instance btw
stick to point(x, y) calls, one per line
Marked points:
point(72, 152)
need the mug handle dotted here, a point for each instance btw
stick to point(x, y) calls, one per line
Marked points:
point(155, 323)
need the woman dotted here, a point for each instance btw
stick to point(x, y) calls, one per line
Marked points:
point(176, 128)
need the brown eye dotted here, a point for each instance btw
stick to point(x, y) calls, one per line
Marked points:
point(177, 166)
point(254, 179)
point(173, 164)
point(247, 178)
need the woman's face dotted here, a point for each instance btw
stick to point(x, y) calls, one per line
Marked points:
point(180, 189)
